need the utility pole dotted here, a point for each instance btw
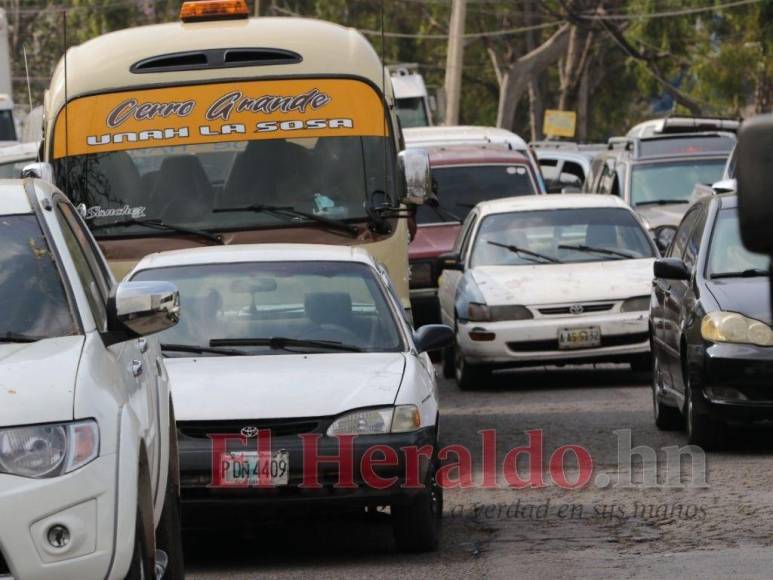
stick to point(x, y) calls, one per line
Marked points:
point(257, 8)
point(454, 60)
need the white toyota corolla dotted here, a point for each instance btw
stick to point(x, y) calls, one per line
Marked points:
point(308, 344)
point(544, 280)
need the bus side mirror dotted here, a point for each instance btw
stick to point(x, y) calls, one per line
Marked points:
point(755, 183)
point(414, 164)
point(39, 170)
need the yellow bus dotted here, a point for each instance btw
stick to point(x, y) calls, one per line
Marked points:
point(225, 129)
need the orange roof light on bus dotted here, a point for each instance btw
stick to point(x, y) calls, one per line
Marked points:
point(198, 10)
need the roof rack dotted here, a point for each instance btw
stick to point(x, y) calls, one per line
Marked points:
point(627, 143)
point(690, 124)
point(568, 145)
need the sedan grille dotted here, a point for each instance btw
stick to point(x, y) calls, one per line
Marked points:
point(552, 344)
point(570, 309)
point(278, 427)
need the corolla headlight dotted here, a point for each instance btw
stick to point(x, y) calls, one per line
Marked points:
point(478, 312)
point(637, 304)
point(733, 327)
point(399, 419)
point(509, 312)
point(41, 451)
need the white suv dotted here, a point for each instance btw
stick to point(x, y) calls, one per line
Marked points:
point(88, 456)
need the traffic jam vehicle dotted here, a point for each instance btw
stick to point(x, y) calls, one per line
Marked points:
point(189, 135)
point(310, 346)
point(88, 454)
point(463, 176)
point(544, 280)
point(711, 327)
point(657, 174)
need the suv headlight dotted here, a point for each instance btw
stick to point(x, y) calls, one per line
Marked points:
point(733, 327)
point(399, 419)
point(638, 304)
point(42, 451)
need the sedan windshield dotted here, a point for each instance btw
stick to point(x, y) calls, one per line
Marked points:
point(183, 185)
point(559, 236)
point(727, 255)
point(459, 189)
point(32, 297)
point(278, 307)
point(671, 182)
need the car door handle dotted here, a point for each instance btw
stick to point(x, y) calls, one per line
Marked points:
point(136, 368)
point(142, 344)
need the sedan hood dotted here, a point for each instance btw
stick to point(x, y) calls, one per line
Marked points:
point(662, 215)
point(564, 283)
point(282, 386)
point(748, 296)
point(37, 380)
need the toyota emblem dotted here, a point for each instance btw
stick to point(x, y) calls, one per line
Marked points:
point(249, 432)
point(576, 309)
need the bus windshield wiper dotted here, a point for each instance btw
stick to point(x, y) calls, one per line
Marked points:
point(192, 348)
point(750, 273)
point(18, 337)
point(662, 202)
point(161, 225)
point(605, 251)
point(289, 212)
point(517, 250)
point(282, 343)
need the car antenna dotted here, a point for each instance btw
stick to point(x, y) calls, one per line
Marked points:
point(29, 90)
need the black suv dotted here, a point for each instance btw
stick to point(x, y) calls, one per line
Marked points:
point(656, 175)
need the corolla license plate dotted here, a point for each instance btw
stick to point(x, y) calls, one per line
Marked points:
point(584, 337)
point(249, 468)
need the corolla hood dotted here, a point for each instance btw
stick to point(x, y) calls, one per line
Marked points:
point(748, 296)
point(663, 215)
point(563, 283)
point(282, 386)
point(37, 380)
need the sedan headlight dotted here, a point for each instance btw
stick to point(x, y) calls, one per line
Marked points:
point(399, 419)
point(638, 304)
point(733, 327)
point(478, 312)
point(42, 451)
point(509, 312)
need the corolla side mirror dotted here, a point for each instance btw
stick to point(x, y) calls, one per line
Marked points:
point(433, 337)
point(451, 261)
point(142, 308)
point(418, 176)
point(755, 183)
point(39, 170)
point(671, 269)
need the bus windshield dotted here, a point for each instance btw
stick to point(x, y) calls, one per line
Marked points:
point(180, 155)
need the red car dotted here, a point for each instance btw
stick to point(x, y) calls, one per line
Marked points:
point(465, 175)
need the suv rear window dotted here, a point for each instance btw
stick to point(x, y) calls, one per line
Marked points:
point(32, 296)
point(686, 146)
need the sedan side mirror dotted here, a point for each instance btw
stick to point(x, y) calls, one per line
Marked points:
point(451, 261)
point(39, 170)
point(418, 176)
point(142, 308)
point(671, 269)
point(433, 337)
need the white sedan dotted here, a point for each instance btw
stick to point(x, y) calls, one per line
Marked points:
point(547, 280)
point(307, 345)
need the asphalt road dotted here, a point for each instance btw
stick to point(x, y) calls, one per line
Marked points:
point(615, 526)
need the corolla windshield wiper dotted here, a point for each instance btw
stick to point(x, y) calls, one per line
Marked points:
point(288, 212)
point(283, 343)
point(194, 349)
point(605, 251)
point(161, 225)
point(17, 337)
point(662, 202)
point(750, 273)
point(517, 250)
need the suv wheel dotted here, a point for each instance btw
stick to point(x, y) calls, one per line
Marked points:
point(416, 525)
